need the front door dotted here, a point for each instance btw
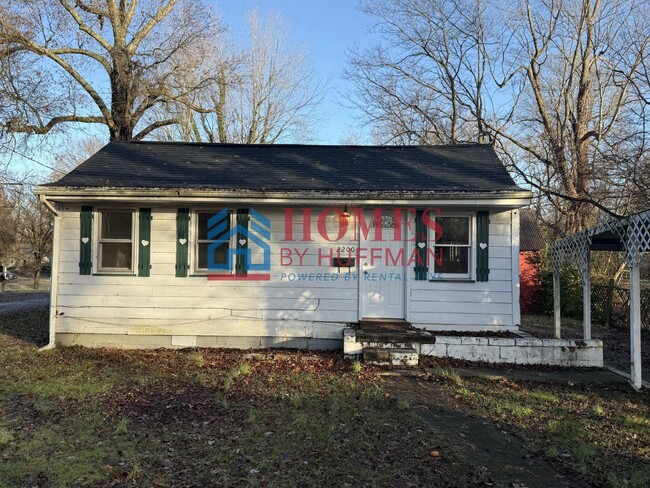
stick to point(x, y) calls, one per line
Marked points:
point(382, 271)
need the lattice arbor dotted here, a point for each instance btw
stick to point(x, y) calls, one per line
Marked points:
point(573, 250)
point(633, 236)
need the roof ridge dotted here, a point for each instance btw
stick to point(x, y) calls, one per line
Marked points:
point(258, 145)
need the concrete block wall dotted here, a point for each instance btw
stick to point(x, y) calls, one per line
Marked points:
point(520, 350)
point(554, 352)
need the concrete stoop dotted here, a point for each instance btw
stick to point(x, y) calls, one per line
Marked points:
point(404, 348)
point(388, 356)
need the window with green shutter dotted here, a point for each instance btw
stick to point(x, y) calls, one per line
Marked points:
point(85, 240)
point(182, 238)
point(483, 245)
point(144, 244)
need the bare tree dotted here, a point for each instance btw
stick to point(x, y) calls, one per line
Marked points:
point(264, 92)
point(34, 230)
point(7, 231)
point(75, 153)
point(560, 87)
point(97, 62)
point(572, 71)
point(425, 81)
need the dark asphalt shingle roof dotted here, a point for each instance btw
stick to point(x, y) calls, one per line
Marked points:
point(461, 168)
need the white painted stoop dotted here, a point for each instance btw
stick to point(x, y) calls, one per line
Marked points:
point(403, 348)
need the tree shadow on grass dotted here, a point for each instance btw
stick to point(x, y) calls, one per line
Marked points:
point(31, 326)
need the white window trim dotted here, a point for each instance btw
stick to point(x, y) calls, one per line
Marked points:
point(471, 255)
point(97, 224)
point(194, 239)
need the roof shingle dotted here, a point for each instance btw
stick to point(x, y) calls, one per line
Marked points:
point(461, 168)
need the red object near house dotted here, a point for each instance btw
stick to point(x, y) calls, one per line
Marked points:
point(531, 242)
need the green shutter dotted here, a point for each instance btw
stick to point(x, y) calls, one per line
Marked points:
point(421, 268)
point(144, 246)
point(242, 241)
point(182, 241)
point(85, 241)
point(482, 245)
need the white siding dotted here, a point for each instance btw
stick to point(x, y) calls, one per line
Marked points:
point(164, 305)
point(468, 305)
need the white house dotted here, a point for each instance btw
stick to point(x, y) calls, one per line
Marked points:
point(177, 245)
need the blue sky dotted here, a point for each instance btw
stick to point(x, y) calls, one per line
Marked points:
point(327, 29)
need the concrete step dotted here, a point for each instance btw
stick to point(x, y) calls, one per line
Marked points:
point(405, 357)
point(397, 337)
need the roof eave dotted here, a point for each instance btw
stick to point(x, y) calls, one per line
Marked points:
point(511, 199)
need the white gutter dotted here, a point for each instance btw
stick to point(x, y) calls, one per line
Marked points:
point(513, 200)
point(84, 193)
point(43, 199)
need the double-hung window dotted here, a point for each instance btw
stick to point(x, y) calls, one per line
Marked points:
point(115, 250)
point(452, 247)
point(213, 240)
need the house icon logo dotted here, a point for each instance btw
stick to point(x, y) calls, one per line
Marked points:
point(246, 246)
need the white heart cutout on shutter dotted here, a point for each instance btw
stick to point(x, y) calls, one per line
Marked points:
point(144, 242)
point(182, 241)
point(242, 242)
point(85, 240)
point(421, 245)
point(482, 245)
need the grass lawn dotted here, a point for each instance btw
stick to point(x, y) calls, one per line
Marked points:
point(92, 417)
point(600, 433)
point(88, 417)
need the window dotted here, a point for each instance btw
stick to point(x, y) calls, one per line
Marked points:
point(203, 244)
point(452, 247)
point(116, 232)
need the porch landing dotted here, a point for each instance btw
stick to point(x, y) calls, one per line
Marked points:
point(399, 344)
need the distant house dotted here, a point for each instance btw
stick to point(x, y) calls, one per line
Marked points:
point(177, 245)
point(531, 243)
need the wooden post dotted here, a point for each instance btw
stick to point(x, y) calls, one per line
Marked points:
point(586, 300)
point(635, 326)
point(557, 304)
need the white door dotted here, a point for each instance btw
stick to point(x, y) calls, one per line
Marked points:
point(383, 270)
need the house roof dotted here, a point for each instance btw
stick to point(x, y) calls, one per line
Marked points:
point(530, 235)
point(470, 168)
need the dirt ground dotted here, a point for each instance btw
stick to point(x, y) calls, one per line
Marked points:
point(616, 340)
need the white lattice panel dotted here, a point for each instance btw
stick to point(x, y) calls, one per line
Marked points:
point(633, 232)
point(572, 250)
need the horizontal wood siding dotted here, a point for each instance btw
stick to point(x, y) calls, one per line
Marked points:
point(163, 304)
point(468, 304)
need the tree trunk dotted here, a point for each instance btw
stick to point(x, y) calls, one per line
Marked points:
point(37, 279)
point(122, 125)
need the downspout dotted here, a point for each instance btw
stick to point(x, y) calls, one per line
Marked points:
point(54, 272)
point(43, 199)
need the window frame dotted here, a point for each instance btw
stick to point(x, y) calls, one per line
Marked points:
point(471, 246)
point(194, 239)
point(98, 216)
